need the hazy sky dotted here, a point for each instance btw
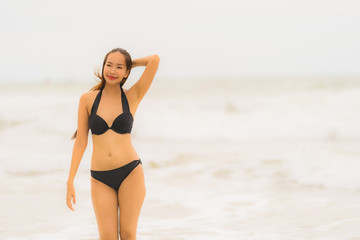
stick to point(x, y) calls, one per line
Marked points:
point(65, 40)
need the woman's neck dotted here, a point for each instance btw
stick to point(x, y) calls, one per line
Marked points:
point(112, 90)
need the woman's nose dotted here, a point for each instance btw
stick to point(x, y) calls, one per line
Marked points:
point(112, 70)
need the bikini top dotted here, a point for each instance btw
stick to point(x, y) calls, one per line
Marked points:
point(122, 123)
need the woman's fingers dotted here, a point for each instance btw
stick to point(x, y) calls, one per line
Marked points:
point(68, 203)
point(74, 198)
point(70, 195)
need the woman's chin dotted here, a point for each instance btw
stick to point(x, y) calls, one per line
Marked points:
point(112, 82)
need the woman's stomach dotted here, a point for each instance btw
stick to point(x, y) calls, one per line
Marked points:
point(112, 150)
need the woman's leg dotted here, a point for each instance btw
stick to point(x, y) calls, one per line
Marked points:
point(131, 196)
point(105, 205)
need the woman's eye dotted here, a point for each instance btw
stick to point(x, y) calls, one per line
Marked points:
point(108, 65)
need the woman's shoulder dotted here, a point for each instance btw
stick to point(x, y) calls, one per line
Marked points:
point(90, 94)
point(89, 98)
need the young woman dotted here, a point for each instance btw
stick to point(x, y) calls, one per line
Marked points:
point(117, 182)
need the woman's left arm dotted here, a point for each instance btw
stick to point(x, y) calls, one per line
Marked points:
point(143, 84)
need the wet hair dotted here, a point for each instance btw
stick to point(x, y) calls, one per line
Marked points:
point(101, 84)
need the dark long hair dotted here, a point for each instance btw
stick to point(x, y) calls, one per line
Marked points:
point(101, 84)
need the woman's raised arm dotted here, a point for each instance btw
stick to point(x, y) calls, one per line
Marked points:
point(143, 84)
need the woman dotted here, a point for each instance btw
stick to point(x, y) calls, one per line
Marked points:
point(117, 182)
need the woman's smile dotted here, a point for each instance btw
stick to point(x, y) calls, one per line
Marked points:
point(112, 78)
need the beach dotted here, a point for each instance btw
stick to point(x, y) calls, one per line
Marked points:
point(231, 159)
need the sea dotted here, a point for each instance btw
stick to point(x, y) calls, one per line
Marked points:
point(234, 159)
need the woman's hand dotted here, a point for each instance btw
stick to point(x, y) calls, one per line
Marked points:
point(143, 61)
point(70, 195)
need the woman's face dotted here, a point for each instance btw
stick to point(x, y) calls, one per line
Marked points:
point(115, 68)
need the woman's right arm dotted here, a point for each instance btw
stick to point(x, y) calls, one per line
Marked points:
point(79, 148)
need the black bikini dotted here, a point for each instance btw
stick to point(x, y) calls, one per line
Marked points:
point(122, 125)
point(113, 178)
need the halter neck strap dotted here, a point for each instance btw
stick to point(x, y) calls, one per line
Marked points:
point(124, 101)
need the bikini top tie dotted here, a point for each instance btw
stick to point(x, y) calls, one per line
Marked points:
point(122, 123)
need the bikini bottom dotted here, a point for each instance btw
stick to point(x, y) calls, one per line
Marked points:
point(114, 177)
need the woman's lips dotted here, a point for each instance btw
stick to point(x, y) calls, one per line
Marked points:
point(112, 78)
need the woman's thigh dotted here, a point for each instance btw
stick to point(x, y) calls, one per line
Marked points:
point(131, 196)
point(105, 205)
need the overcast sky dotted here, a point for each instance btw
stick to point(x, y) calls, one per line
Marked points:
point(65, 40)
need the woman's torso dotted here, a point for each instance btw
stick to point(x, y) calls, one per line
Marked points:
point(110, 149)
